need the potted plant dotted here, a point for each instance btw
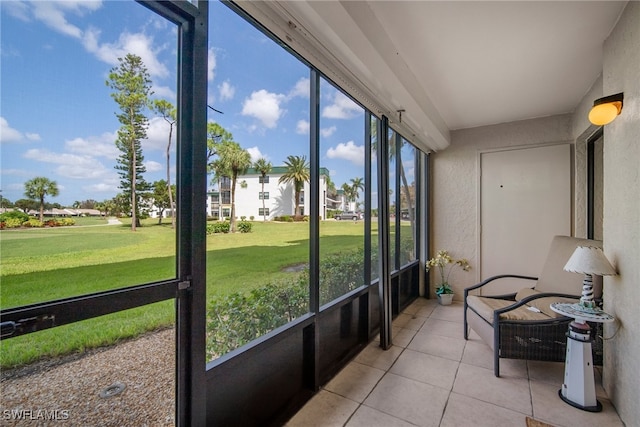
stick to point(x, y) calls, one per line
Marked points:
point(446, 264)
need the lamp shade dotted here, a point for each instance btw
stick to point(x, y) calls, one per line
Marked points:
point(606, 109)
point(603, 114)
point(589, 260)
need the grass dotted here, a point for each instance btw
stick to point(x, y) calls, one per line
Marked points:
point(47, 264)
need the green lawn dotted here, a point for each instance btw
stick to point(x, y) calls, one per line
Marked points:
point(46, 264)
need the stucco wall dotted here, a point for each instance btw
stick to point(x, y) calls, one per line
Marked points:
point(621, 73)
point(455, 184)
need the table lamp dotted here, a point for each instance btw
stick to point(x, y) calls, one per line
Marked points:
point(589, 260)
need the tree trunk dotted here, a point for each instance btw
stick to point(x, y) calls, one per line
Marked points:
point(41, 208)
point(232, 221)
point(173, 212)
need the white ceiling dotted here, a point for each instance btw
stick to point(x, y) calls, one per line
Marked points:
point(453, 64)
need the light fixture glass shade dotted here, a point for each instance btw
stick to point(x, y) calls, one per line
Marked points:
point(606, 109)
point(589, 260)
point(603, 114)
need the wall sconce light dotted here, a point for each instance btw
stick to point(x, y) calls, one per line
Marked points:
point(606, 109)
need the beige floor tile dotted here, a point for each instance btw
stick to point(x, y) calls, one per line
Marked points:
point(426, 368)
point(548, 407)
point(415, 323)
point(418, 403)
point(427, 309)
point(417, 305)
point(369, 417)
point(402, 319)
point(477, 353)
point(443, 327)
point(376, 357)
point(438, 345)
point(436, 378)
point(355, 381)
point(463, 411)
point(402, 337)
point(452, 313)
point(482, 384)
point(325, 409)
point(549, 372)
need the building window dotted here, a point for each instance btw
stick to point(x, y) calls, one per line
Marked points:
point(226, 197)
point(225, 183)
point(263, 196)
point(226, 213)
point(263, 212)
point(263, 181)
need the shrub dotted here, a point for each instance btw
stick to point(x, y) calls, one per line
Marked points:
point(243, 218)
point(13, 223)
point(341, 273)
point(239, 318)
point(218, 227)
point(251, 218)
point(244, 226)
point(66, 222)
point(236, 319)
point(35, 223)
point(23, 217)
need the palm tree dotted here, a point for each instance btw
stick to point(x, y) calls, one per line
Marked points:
point(357, 184)
point(347, 190)
point(297, 173)
point(39, 187)
point(232, 161)
point(264, 167)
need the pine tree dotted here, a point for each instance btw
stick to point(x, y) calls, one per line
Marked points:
point(132, 88)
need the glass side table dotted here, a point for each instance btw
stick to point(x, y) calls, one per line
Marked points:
point(579, 388)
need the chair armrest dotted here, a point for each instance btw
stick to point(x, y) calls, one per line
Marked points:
point(491, 279)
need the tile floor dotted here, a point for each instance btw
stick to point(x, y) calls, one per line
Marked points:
point(433, 377)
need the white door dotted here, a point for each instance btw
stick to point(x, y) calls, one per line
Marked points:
point(525, 199)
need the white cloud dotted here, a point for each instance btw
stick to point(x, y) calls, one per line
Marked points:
point(108, 186)
point(153, 166)
point(211, 64)
point(255, 153)
point(158, 135)
point(14, 172)
point(53, 14)
point(136, 43)
point(327, 132)
point(302, 88)
point(342, 108)
point(227, 91)
point(70, 165)
point(302, 127)
point(17, 9)
point(95, 146)
point(163, 92)
point(348, 151)
point(9, 134)
point(264, 106)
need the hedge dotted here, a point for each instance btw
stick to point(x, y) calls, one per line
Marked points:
point(239, 318)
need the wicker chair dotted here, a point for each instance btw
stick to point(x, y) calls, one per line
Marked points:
point(521, 325)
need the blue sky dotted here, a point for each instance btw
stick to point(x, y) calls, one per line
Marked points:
point(58, 119)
